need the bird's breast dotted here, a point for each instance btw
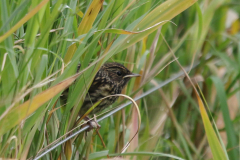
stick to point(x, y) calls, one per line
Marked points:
point(98, 91)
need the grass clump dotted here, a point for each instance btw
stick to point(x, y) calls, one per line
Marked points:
point(42, 42)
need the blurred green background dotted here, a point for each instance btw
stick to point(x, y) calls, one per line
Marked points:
point(43, 41)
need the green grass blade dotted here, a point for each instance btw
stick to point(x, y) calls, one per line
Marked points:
point(231, 136)
point(213, 141)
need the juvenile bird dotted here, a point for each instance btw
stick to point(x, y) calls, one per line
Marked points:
point(109, 80)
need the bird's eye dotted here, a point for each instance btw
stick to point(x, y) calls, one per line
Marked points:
point(119, 73)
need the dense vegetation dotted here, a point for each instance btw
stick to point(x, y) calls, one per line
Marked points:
point(190, 117)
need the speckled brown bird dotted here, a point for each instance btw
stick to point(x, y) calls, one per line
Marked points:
point(109, 80)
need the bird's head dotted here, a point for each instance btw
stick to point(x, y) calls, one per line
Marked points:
point(117, 73)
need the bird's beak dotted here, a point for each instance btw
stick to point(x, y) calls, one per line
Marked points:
point(132, 75)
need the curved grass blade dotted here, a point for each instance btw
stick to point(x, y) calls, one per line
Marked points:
point(17, 114)
point(121, 31)
point(216, 148)
point(231, 137)
point(163, 13)
point(150, 154)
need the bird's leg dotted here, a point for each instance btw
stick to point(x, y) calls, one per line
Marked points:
point(95, 120)
point(92, 123)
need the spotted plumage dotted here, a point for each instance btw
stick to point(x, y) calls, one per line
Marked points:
point(109, 80)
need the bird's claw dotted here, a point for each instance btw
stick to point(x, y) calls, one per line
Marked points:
point(92, 124)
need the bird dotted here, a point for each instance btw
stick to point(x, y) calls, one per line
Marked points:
point(111, 78)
